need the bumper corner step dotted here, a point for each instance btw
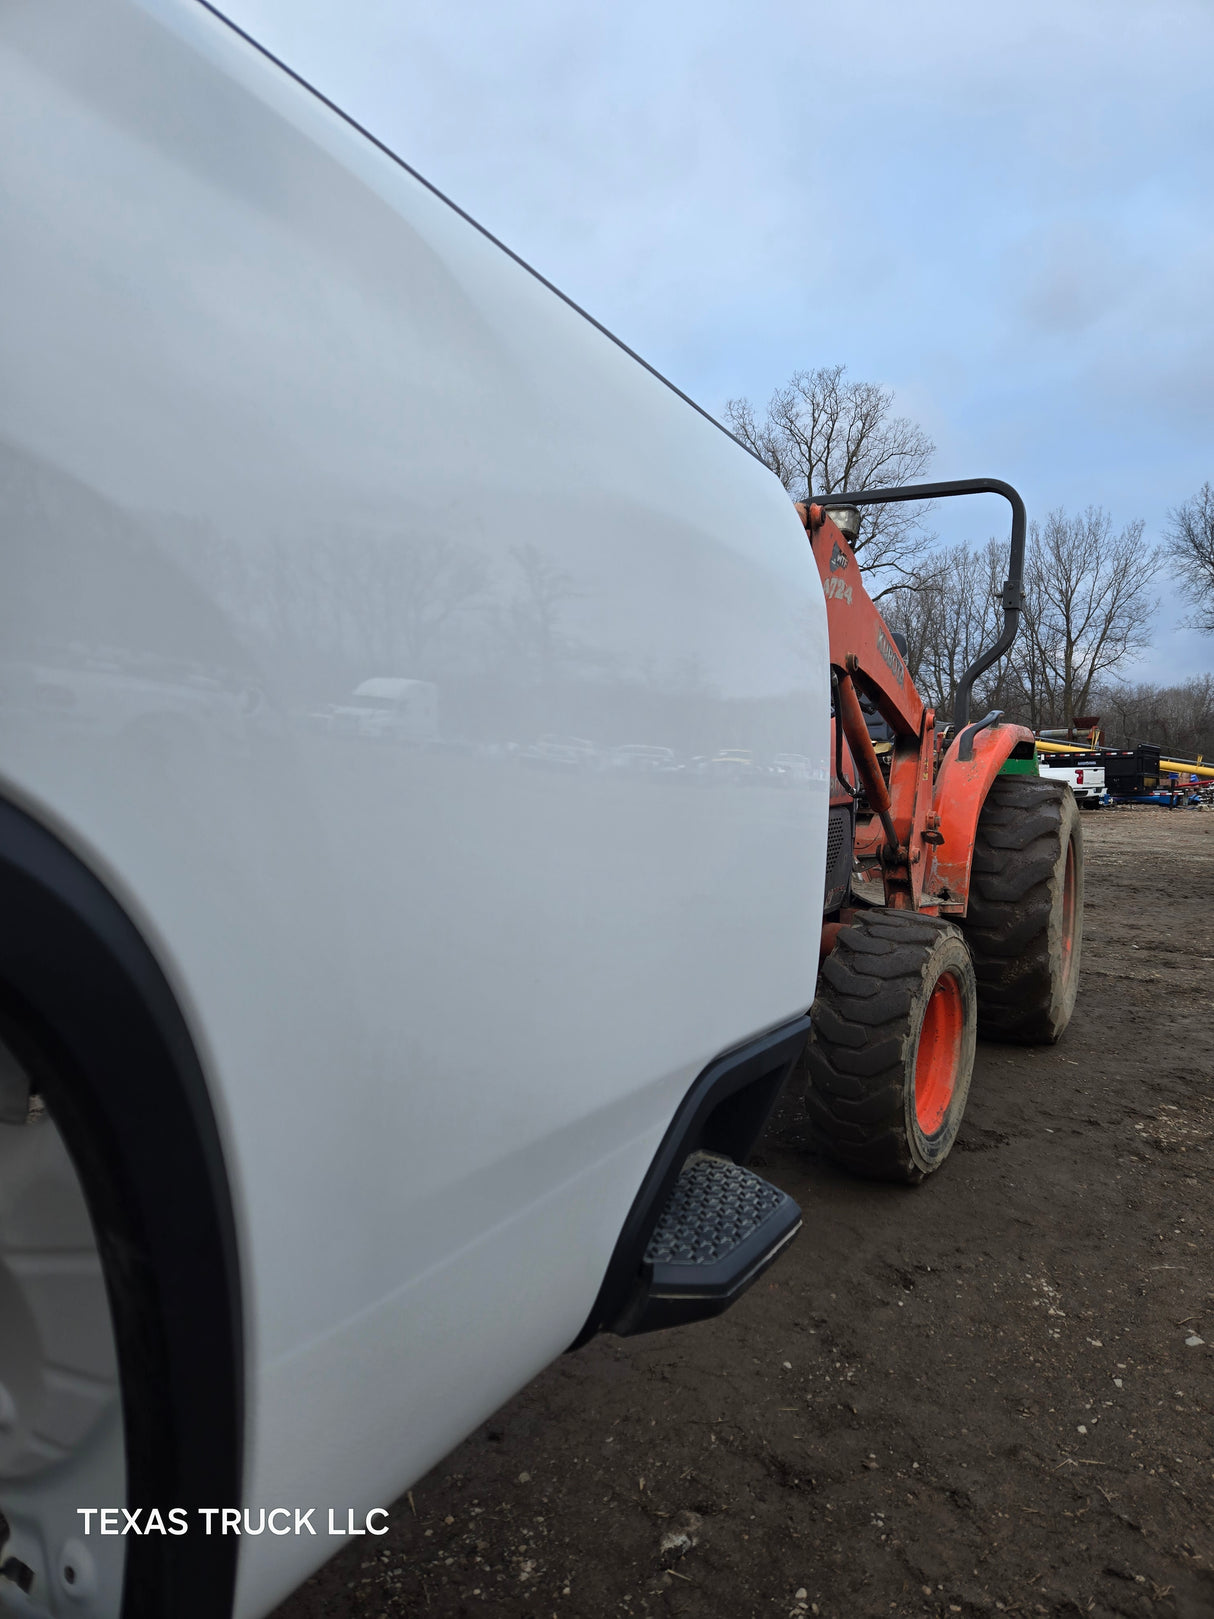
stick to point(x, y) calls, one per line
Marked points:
point(721, 1228)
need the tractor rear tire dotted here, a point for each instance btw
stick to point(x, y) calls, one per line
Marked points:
point(891, 1049)
point(1025, 921)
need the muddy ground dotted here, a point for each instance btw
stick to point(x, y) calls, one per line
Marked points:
point(983, 1395)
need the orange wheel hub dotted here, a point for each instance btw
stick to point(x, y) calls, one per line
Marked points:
point(938, 1054)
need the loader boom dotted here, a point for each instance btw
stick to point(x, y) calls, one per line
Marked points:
point(924, 806)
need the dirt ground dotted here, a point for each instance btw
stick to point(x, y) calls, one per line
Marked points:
point(987, 1394)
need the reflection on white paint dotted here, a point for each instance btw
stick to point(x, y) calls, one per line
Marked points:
point(283, 438)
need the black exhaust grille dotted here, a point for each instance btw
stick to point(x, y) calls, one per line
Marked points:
point(834, 838)
point(838, 856)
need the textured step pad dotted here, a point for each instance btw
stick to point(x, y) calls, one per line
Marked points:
point(721, 1228)
point(714, 1207)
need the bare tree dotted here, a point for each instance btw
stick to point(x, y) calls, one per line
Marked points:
point(532, 637)
point(400, 593)
point(434, 579)
point(1178, 719)
point(1087, 609)
point(822, 433)
point(951, 618)
point(1191, 530)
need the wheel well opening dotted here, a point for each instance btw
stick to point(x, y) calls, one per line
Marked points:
point(91, 1017)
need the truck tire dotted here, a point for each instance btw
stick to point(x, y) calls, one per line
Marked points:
point(1025, 921)
point(891, 1050)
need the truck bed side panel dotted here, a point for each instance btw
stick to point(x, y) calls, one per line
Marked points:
point(275, 421)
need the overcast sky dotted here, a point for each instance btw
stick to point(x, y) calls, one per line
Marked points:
point(1002, 212)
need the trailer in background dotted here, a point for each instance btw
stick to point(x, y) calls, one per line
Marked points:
point(1137, 775)
point(1141, 775)
point(1131, 772)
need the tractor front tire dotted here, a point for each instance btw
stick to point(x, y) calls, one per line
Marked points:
point(1025, 920)
point(891, 1049)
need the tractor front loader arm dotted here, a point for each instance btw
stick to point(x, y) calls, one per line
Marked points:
point(924, 811)
point(867, 663)
point(1010, 600)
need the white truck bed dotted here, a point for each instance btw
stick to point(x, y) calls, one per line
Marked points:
point(276, 419)
point(1086, 780)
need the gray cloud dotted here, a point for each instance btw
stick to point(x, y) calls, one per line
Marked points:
point(1004, 212)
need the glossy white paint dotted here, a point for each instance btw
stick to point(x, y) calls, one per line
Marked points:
point(275, 420)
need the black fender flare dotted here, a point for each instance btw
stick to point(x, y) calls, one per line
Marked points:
point(85, 1006)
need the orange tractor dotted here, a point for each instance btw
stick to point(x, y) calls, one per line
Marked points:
point(978, 862)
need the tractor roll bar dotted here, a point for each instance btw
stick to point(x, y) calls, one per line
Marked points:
point(1011, 598)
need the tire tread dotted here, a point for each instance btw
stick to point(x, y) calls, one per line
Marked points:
point(1016, 854)
point(858, 1049)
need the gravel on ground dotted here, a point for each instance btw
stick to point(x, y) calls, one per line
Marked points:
point(990, 1394)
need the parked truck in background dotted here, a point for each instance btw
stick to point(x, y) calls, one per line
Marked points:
point(1084, 776)
point(386, 708)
